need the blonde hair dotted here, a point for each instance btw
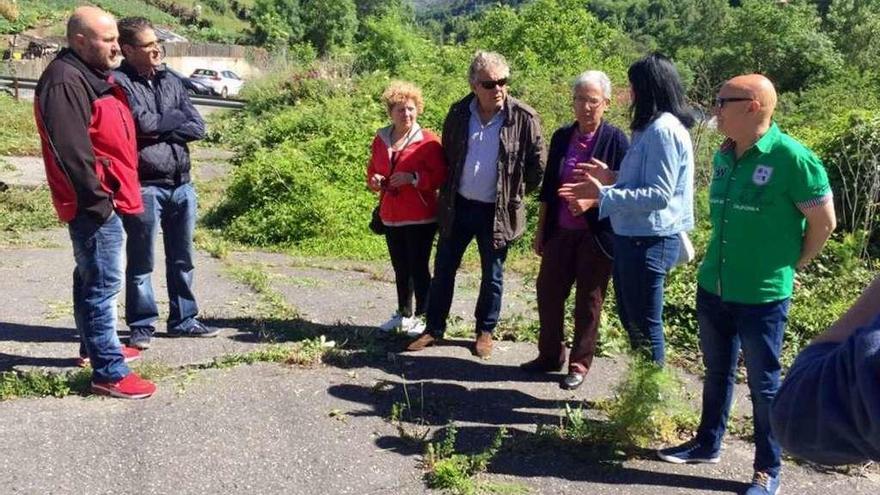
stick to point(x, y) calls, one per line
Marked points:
point(401, 92)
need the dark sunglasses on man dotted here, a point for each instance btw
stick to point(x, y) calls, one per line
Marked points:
point(492, 84)
point(720, 101)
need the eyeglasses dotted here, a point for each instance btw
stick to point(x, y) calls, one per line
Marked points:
point(589, 103)
point(152, 45)
point(720, 101)
point(492, 84)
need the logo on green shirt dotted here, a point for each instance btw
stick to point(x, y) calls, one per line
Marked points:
point(762, 174)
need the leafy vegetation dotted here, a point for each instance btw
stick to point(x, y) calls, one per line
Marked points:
point(649, 407)
point(18, 134)
point(25, 210)
point(455, 472)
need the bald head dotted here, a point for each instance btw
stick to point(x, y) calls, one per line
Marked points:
point(758, 87)
point(92, 34)
point(744, 107)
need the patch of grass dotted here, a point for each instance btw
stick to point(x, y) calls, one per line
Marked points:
point(455, 472)
point(55, 310)
point(215, 245)
point(25, 210)
point(257, 279)
point(17, 384)
point(307, 353)
point(38, 383)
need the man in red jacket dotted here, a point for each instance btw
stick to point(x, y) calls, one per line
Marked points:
point(90, 152)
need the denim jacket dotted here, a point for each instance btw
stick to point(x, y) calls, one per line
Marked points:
point(654, 193)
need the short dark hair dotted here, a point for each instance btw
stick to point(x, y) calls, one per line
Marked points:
point(656, 88)
point(130, 27)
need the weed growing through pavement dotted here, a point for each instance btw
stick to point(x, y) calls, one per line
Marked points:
point(38, 383)
point(16, 384)
point(410, 424)
point(255, 277)
point(458, 473)
point(212, 243)
point(58, 309)
point(649, 407)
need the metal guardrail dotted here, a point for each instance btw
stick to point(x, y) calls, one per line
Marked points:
point(16, 84)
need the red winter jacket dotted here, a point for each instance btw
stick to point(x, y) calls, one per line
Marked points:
point(423, 156)
point(88, 139)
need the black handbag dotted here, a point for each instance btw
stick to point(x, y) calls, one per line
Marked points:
point(376, 225)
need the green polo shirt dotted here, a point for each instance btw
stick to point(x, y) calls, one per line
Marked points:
point(757, 225)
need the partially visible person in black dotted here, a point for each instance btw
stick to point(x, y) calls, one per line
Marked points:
point(166, 121)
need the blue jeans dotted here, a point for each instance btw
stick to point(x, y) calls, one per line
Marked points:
point(174, 208)
point(640, 267)
point(758, 328)
point(473, 219)
point(97, 279)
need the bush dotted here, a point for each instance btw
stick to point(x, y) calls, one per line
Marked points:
point(18, 134)
point(852, 159)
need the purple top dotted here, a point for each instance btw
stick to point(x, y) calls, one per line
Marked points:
point(580, 149)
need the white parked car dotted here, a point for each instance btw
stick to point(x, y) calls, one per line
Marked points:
point(224, 82)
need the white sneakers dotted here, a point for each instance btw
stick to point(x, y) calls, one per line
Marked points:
point(410, 325)
point(392, 324)
point(414, 325)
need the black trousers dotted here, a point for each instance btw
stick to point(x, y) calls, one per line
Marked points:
point(410, 249)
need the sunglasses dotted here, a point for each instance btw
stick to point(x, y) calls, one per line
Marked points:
point(492, 84)
point(721, 101)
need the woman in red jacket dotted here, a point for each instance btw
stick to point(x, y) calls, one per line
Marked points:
point(406, 169)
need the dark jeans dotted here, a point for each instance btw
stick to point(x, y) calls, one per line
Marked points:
point(473, 219)
point(409, 247)
point(97, 279)
point(174, 208)
point(640, 267)
point(571, 256)
point(758, 329)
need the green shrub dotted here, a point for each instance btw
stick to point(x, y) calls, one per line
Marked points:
point(852, 159)
point(18, 134)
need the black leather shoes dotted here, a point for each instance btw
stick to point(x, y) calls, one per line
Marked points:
point(540, 366)
point(572, 381)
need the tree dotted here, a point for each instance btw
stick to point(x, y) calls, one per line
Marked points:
point(782, 41)
point(276, 23)
point(329, 23)
point(382, 8)
point(855, 27)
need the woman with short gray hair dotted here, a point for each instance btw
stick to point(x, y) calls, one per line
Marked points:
point(573, 244)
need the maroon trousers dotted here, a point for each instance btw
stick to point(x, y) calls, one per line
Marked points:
point(571, 256)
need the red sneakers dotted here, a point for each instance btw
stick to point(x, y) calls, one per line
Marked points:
point(130, 387)
point(129, 353)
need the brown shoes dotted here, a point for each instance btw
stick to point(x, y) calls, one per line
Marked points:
point(483, 345)
point(422, 341)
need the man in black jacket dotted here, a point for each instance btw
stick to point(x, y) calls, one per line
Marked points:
point(166, 121)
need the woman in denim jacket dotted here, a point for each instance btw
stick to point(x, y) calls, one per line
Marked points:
point(649, 201)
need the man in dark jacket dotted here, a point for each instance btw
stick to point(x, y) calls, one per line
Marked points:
point(88, 145)
point(496, 155)
point(166, 121)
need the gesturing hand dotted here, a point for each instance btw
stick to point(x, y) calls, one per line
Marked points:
point(588, 189)
point(599, 169)
point(399, 179)
point(376, 181)
point(580, 206)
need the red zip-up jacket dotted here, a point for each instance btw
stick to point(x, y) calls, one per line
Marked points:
point(423, 156)
point(88, 141)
